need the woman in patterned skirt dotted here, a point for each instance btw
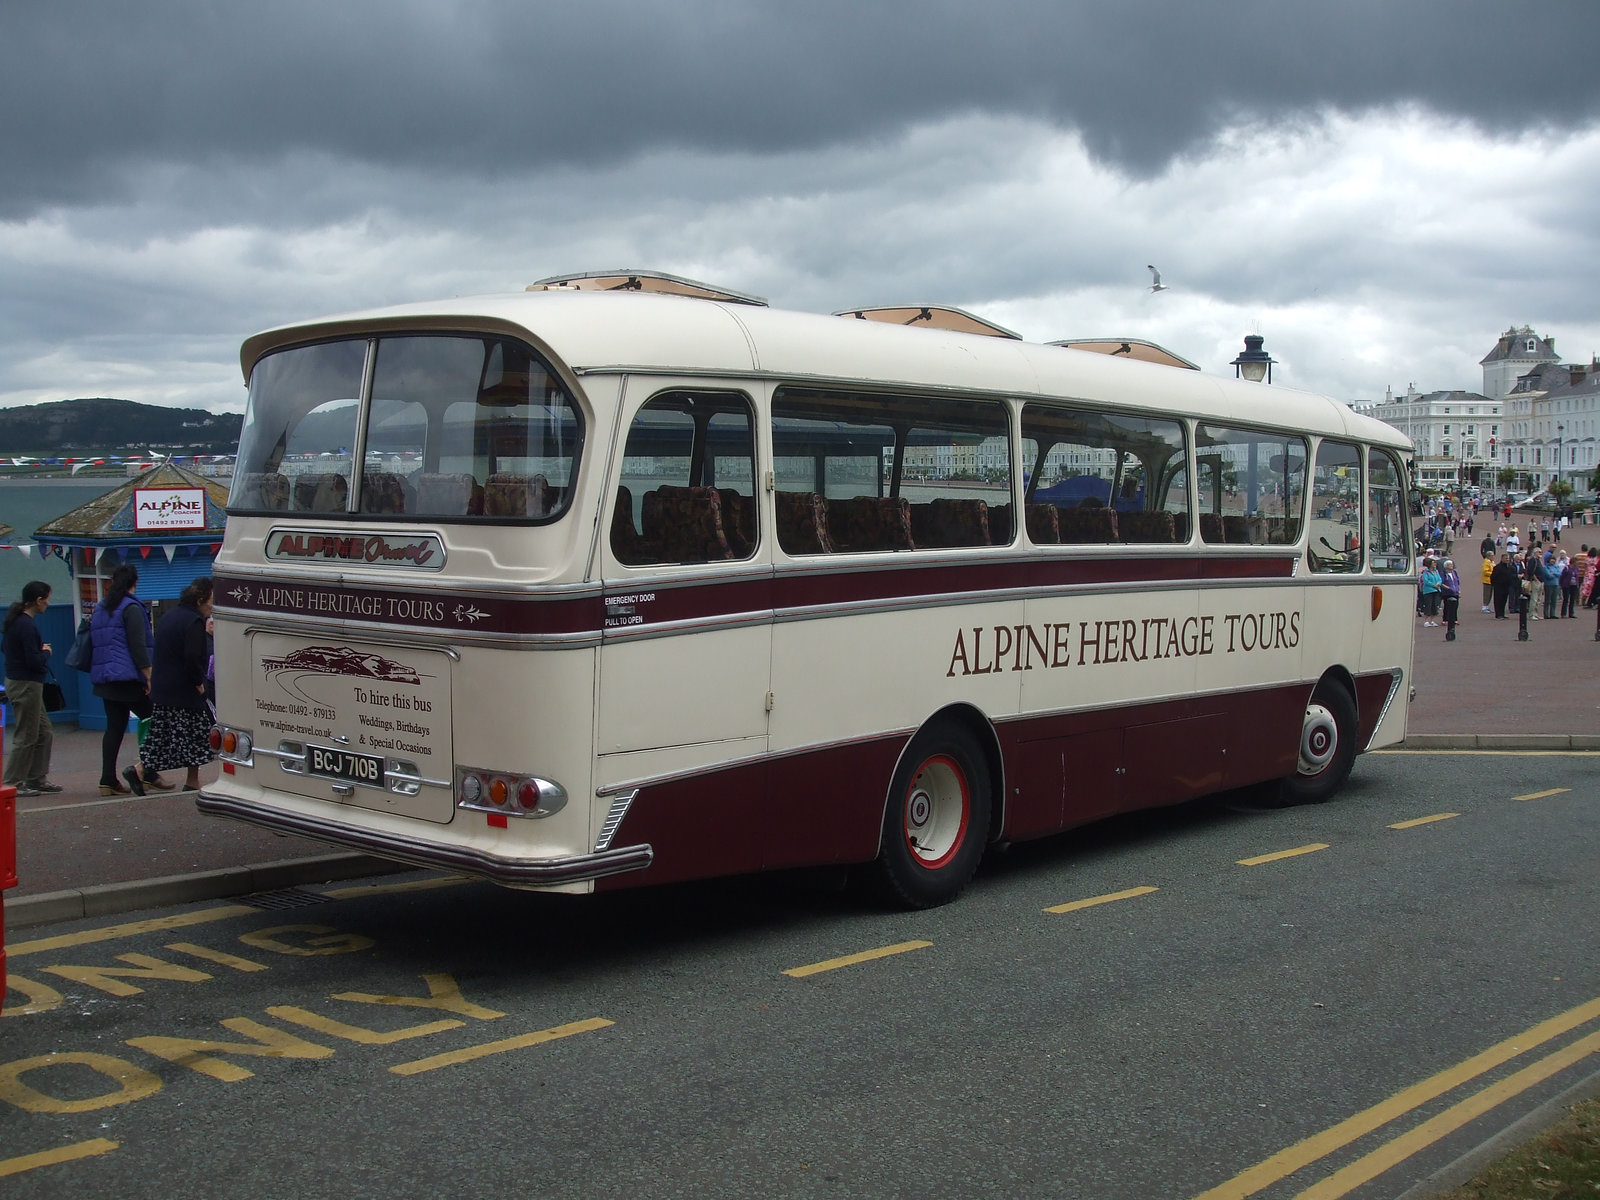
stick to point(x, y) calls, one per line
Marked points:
point(180, 725)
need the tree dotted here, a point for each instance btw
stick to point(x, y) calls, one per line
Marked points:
point(1560, 491)
point(1505, 477)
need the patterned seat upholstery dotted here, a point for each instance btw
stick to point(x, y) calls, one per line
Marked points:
point(686, 523)
point(738, 521)
point(802, 523)
point(1211, 528)
point(1044, 524)
point(1180, 527)
point(262, 490)
point(507, 495)
point(950, 522)
point(1142, 526)
point(386, 493)
point(449, 495)
point(1081, 525)
point(1239, 529)
point(320, 493)
point(871, 523)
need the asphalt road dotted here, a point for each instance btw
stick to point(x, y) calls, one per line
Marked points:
point(1363, 1008)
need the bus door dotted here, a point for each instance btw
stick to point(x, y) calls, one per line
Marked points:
point(685, 662)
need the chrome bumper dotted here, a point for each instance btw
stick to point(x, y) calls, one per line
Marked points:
point(510, 872)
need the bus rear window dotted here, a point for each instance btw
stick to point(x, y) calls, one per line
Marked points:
point(445, 427)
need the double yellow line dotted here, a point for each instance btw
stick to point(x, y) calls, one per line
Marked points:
point(1369, 1166)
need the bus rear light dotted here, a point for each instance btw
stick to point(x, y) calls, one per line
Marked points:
point(232, 745)
point(511, 795)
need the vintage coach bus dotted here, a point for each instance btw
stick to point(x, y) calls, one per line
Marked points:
point(577, 589)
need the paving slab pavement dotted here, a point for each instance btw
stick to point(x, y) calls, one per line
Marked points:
point(83, 855)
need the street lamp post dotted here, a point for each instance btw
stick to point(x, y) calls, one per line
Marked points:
point(1253, 363)
point(1560, 430)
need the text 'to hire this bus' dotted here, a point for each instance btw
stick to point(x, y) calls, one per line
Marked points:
point(577, 589)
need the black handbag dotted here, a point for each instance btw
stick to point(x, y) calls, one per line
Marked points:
point(54, 698)
point(81, 656)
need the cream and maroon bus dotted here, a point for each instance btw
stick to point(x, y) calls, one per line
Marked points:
point(593, 586)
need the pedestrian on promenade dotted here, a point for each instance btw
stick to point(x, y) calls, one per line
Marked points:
point(120, 672)
point(1487, 575)
point(1450, 589)
point(1504, 580)
point(1514, 542)
point(1586, 589)
point(180, 723)
point(1487, 547)
point(1569, 586)
point(1550, 581)
point(27, 668)
point(1428, 585)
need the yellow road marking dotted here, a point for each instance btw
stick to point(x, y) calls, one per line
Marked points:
point(1298, 850)
point(61, 1154)
point(1423, 821)
point(110, 932)
point(1347, 1179)
point(384, 889)
point(1502, 753)
point(217, 956)
point(850, 960)
point(1075, 905)
point(500, 1047)
point(1319, 1145)
point(1542, 795)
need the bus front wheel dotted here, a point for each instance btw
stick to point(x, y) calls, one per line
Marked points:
point(1327, 746)
point(936, 820)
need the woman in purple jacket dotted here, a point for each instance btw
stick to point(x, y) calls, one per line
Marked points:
point(120, 672)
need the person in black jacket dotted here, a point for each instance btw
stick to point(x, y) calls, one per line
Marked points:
point(180, 723)
point(1504, 580)
point(27, 668)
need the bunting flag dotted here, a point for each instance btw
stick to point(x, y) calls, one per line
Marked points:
point(144, 551)
point(27, 551)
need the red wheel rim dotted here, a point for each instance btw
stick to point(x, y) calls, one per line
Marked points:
point(936, 811)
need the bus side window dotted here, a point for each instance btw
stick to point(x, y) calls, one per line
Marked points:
point(1252, 486)
point(690, 461)
point(1335, 545)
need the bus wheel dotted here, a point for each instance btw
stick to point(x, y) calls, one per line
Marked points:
point(1327, 746)
point(937, 818)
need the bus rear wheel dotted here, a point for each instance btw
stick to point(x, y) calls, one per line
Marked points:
point(1327, 746)
point(936, 820)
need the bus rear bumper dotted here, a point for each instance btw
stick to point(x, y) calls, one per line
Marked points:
point(509, 872)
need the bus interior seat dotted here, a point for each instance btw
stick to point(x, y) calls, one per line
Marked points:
point(1211, 528)
point(454, 494)
point(1180, 527)
point(802, 523)
point(949, 522)
point(738, 521)
point(1240, 530)
point(686, 522)
point(266, 489)
point(627, 543)
point(508, 495)
point(1153, 527)
point(866, 523)
point(1044, 524)
point(385, 493)
point(1086, 525)
point(1000, 524)
point(1290, 532)
point(320, 493)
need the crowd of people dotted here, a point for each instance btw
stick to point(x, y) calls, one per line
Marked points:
point(1531, 572)
point(159, 673)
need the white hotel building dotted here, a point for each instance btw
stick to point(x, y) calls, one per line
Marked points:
point(1535, 415)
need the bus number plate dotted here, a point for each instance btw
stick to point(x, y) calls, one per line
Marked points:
point(342, 764)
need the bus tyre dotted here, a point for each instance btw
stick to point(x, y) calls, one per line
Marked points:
point(936, 820)
point(1327, 746)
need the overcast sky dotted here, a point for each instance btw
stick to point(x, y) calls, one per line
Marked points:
point(1378, 187)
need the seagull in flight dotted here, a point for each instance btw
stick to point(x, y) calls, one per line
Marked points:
point(1155, 279)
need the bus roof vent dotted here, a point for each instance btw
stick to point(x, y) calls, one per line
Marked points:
point(1129, 348)
point(641, 281)
point(931, 316)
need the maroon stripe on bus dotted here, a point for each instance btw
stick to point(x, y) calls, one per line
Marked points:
point(826, 805)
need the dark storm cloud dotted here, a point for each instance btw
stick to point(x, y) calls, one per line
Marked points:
point(90, 92)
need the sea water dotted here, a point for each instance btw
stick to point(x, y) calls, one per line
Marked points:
point(26, 504)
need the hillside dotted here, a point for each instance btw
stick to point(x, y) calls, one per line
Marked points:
point(79, 428)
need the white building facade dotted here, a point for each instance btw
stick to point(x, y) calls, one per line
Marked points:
point(1456, 434)
point(1551, 411)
